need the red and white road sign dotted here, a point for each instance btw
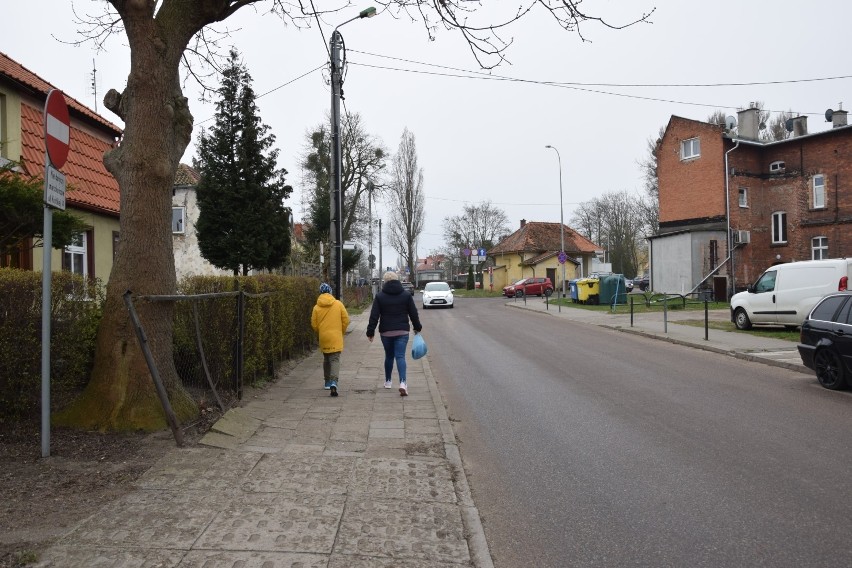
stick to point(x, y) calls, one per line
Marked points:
point(57, 128)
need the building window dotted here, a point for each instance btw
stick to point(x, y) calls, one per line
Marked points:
point(819, 248)
point(4, 135)
point(690, 149)
point(819, 191)
point(779, 227)
point(743, 197)
point(74, 256)
point(178, 220)
point(115, 242)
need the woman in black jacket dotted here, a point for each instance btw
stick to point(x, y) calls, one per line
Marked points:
point(392, 308)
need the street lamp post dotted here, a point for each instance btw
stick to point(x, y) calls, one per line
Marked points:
point(562, 258)
point(336, 209)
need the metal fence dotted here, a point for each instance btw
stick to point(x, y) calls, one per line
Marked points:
point(210, 343)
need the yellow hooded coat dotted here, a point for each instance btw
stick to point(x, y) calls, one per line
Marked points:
point(330, 320)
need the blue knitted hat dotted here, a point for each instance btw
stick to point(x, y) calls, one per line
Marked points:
point(325, 288)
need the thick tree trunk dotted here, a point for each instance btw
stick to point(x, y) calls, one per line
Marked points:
point(120, 394)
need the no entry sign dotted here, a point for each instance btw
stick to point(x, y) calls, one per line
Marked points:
point(57, 128)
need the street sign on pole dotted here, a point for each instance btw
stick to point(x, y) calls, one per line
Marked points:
point(57, 128)
point(54, 188)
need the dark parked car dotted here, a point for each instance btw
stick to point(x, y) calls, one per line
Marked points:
point(641, 282)
point(530, 287)
point(826, 340)
point(408, 286)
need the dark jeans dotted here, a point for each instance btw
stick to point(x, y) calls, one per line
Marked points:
point(395, 349)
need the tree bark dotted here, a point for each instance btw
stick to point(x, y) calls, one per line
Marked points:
point(120, 394)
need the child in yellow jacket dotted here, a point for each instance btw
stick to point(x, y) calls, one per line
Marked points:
point(330, 320)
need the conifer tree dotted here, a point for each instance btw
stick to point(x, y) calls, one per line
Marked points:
point(242, 223)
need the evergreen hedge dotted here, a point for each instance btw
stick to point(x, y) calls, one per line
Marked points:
point(76, 307)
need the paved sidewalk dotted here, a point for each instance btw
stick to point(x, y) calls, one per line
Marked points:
point(295, 477)
point(776, 352)
point(298, 478)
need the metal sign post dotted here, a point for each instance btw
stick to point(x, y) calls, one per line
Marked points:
point(57, 129)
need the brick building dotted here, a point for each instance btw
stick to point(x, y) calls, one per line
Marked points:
point(780, 201)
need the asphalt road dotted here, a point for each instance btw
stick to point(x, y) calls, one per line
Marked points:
point(590, 447)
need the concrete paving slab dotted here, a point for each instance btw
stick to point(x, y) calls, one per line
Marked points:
point(403, 530)
point(202, 469)
point(217, 440)
point(346, 561)
point(237, 423)
point(310, 474)
point(387, 433)
point(262, 559)
point(149, 519)
point(281, 522)
point(387, 424)
point(414, 479)
point(88, 557)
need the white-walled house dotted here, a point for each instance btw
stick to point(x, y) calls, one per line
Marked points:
point(188, 259)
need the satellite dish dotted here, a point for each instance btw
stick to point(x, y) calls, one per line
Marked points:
point(788, 124)
point(730, 122)
point(762, 126)
point(828, 114)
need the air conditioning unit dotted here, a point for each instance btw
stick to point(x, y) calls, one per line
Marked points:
point(742, 237)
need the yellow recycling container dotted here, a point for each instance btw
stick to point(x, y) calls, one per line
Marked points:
point(588, 290)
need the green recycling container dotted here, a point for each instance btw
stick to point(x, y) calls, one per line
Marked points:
point(613, 289)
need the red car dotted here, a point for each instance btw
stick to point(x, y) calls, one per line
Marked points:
point(529, 287)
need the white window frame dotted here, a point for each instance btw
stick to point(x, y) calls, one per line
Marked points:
point(819, 248)
point(690, 149)
point(819, 191)
point(179, 223)
point(742, 197)
point(779, 227)
point(76, 254)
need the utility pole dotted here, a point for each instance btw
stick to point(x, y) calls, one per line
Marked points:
point(336, 204)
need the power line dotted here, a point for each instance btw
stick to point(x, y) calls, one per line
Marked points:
point(581, 84)
point(584, 87)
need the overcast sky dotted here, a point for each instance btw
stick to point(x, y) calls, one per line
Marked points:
point(484, 139)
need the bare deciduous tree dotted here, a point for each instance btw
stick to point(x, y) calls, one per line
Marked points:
point(407, 201)
point(162, 34)
point(481, 225)
point(611, 221)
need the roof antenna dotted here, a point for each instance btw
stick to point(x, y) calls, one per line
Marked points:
point(95, 84)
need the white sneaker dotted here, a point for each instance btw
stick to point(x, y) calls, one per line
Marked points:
point(388, 384)
point(403, 389)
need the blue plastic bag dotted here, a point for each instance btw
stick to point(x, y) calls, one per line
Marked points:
point(418, 348)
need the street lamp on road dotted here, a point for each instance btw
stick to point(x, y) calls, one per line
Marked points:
point(336, 229)
point(562, 258)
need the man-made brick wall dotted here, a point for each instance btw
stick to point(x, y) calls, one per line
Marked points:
point(692, 192)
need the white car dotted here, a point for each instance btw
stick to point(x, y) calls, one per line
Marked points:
point(437, 294)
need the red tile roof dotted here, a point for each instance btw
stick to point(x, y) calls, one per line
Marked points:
point(186, 175)
point(539, 237)
point(90, 185)
point(38, 88)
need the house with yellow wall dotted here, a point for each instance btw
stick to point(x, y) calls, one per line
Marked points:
point(92, 193)
point(533, 251)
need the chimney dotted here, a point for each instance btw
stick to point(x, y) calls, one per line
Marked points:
point(748, 122)
point(838, 118)
point(523, 223)
point(800, 126)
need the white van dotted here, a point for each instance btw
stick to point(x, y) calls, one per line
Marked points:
point(786, 293)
